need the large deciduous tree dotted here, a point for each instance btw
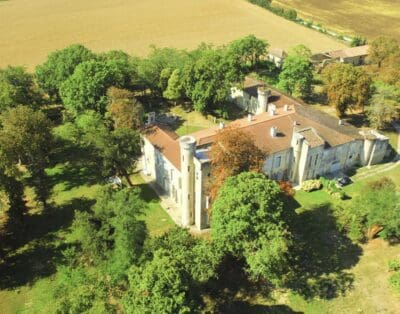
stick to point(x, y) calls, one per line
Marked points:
point(26, 137)
point(125, 110)
point(159, 286)
point(248, 51)
point(297, 75)
point(17, 88)
point(384, 105)
point(118, 149)
point(377, 211)
point(346, 86)
point(381, 48)
point(86, 88)
point(247, 222)
point(233, 152)
point(207, 80)
point(59, 66)
point(112, 230)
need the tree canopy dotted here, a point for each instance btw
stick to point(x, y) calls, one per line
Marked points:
point(346, 86)
point(248, 51)
point(381, 48)
point(384, 105)
point(233, 152)
point(86, 88)
point(247, 222)
point(297, 74)
point(59, 66)
point(17, 88)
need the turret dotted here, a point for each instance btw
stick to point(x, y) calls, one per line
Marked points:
point(297, 143)
point(188, 147)
point(262, 98)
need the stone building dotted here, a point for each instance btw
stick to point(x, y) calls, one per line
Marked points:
point(301, 144)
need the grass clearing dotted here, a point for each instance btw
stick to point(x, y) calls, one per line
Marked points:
point(368, 18)
point(35, 28)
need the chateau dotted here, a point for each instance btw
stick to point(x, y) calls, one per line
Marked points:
point(301, 144)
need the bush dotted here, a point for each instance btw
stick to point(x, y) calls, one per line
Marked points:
point(311, 185)
point(395, 282)
point(394, 265)
point(290, 14)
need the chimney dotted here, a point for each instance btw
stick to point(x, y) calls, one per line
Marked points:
point(286, 107)
point(272, 109)
point(341, 122)
point(151, 118)
point(273, 131)
point(249, 117)
point(294, 123)
point(221, 125)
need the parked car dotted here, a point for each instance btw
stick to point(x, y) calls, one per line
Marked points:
point(341, 182)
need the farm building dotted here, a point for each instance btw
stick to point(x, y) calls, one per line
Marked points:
point(353, 55)
point(277, 56)
point(301, 144)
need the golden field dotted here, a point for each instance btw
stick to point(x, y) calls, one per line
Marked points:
point(30, 29)
point(368, 18)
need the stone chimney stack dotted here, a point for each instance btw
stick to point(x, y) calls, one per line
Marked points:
point(273, 131)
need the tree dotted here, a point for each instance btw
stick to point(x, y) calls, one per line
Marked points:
point(86, 88)
point(390, 70)
point(159, 286)
point(297, 76)
point(59, 66)
point(346, 86)
point(26, 137)
point(112, 231)
point(233, 152)
point(198, 257)
point(247, 222)
point(381, 48)
point(118, 150)
point(17, 88)
point(248, 51)
point(207, 81)
point(377, 210)
point(384, 105)
point(156, 69)
point(174, 89)
point(125, 110)
point(300, 51)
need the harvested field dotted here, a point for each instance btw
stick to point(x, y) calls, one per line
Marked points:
point(32, 29)
point(368, 18)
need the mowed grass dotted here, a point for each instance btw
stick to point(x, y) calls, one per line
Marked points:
point(35, 28)
point(370, 292)
point(368, 18)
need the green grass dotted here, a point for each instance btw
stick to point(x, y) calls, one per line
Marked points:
point(157, 220)
point(188, 129)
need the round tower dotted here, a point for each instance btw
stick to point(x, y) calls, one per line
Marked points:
point(262, 98)
point(188, 148)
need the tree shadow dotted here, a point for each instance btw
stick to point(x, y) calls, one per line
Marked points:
point(34, 254)
point(233, 289)
point(321, 255)
point(243, 307)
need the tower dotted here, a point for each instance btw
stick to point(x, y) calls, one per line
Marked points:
point(262, 98)
point(188, 147)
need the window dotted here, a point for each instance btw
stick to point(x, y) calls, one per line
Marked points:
point(277, 162)
point(316, 159)
point(180, 183)
point(172, 175)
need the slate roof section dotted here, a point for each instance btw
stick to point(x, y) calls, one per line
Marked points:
point(311, 137)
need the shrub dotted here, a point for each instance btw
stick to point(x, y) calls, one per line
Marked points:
point(287, 188)
point(394, 265)
point(311, 185)
point(395, 282)
point(290, 14)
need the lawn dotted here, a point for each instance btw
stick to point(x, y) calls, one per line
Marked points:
point(35, 28)
point(368, 18)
